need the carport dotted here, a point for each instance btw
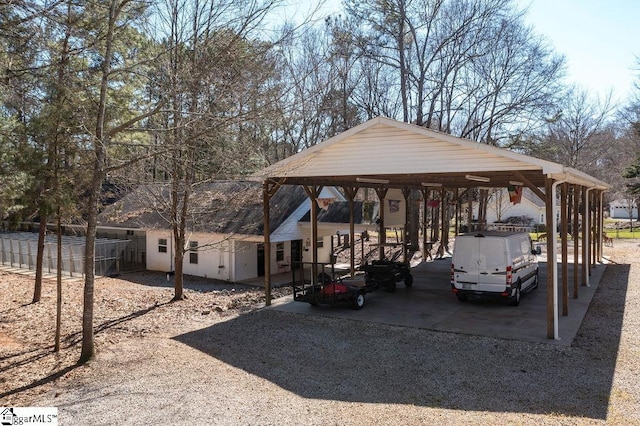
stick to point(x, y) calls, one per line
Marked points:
point(383, 153)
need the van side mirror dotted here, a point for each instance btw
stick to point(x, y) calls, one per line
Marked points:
point(537, 250)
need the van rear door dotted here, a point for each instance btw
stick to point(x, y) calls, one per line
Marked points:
point(480, 263)
point(465, 262)
point(492, 264)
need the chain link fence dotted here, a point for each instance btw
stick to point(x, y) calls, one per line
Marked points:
point(112, 256)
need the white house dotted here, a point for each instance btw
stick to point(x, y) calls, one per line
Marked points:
point(623, 209)
point(501, 209)
point(225, 230)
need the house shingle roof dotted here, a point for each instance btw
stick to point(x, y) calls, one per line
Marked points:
point(229, 207)
point(337, 212)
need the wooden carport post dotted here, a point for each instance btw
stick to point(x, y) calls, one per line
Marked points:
point(585, 241)
point(314, 193)
point(350, 192)
point(425, 201)
point(600, 224)
point(565, 249)
point(407, 194)
point(575, 200)
point(382, 233)
point(269, 188)
point(596, 220)
point(456, 223)
point(592, 231)
point(551, 262)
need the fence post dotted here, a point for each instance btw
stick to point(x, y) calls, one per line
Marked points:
point(71, 260)
point(29, 254)
point(49, 260)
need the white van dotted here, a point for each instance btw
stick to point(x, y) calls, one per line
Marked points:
point(490, 263)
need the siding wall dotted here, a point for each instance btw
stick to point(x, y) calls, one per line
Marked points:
point(213, 262)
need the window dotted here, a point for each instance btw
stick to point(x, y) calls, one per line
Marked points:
point(320, 242)
point(129, 232)
point(193, 252)
point(279, 252)
point(162, 245)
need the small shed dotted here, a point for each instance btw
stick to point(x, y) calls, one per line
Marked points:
point(385, 154)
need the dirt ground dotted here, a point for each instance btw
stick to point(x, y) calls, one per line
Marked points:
point(133, 306)
point(217, 358)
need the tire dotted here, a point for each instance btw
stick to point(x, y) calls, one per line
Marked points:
point(358, 301)
point(536, 281)
point(408, 280)
point(514, 300)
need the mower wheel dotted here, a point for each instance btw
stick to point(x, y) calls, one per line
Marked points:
point(358, 301)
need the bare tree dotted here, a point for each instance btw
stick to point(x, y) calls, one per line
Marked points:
point(470, 68)
point(305, 101)
point(213, 77)
point(579, 134)
point(498, 202)
point(116, 64)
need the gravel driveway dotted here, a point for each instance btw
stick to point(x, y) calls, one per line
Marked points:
point(266, 367)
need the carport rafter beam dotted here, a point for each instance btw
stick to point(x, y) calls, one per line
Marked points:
point(530, 185)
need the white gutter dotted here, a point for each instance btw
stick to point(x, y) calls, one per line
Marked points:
point(601, 225)
point(554, 254)
point(587, 242)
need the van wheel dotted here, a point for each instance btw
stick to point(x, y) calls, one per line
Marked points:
point(536, 280)
point(514, 300)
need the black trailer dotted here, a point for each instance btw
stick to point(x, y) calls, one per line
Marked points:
point(327, 289)
point(386, 273)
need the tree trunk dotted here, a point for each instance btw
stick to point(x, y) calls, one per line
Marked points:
point(100, 143)
point(88, 350)
point(179, 267)
point(58, 285)
point(37, 291)
point(404, 89)
point(179, 279)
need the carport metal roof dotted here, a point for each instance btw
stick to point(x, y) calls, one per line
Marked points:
point(386, 153)
point(406, 155)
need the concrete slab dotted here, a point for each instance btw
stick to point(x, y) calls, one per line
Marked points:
point(45, 275)
point(430, 304)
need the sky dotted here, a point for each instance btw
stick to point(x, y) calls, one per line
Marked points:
point(600, 40)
